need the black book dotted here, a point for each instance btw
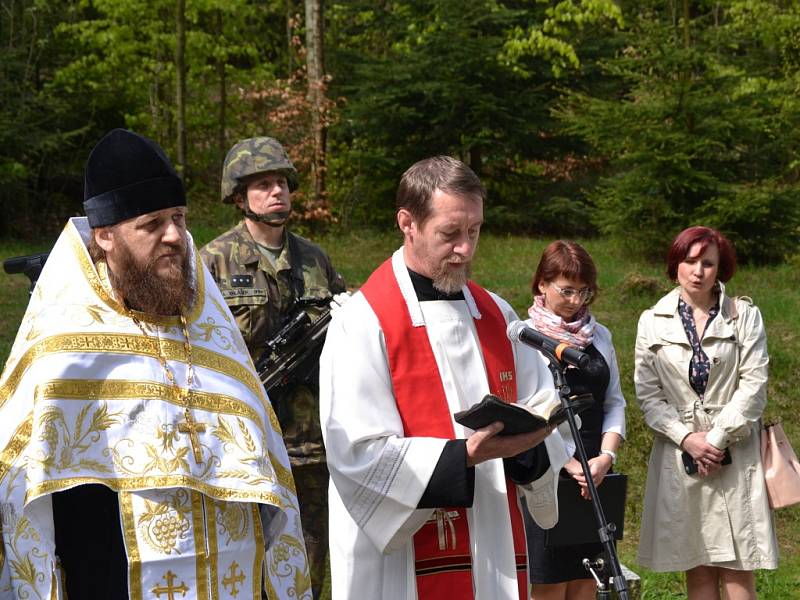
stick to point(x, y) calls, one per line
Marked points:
point(517, 418)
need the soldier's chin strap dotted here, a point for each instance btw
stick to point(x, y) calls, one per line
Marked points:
point(276, 219)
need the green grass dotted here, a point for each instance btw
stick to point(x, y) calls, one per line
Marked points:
point(505, 265)
point(13, 295)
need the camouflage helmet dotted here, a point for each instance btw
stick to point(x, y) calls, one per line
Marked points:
point(252, 156)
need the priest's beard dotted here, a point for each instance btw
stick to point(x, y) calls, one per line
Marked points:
point(144, 289)
point(449, 280)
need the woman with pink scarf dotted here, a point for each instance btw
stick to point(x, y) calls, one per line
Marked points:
point(564, 286)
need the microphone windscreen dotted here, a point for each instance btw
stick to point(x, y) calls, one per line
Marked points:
point(514, 329)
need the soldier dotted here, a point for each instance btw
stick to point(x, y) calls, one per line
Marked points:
point(262, 269)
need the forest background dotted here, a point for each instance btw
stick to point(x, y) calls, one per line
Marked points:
point(614, 122)
point(626, 118)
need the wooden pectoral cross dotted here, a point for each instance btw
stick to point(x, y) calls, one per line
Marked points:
point(192, 428)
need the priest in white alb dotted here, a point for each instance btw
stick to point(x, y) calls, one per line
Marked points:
point(139, 455)
point(421, 507)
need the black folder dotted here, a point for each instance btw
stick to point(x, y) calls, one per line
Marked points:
point(576, 520)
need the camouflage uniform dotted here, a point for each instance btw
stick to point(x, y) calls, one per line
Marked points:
point(260, 302)
point(261, 297)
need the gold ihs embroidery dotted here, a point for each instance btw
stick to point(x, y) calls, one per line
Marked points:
point(506, 391)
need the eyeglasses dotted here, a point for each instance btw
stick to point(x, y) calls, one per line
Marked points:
point(585, 294)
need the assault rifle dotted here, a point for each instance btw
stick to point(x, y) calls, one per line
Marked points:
point(31, 265)
point(292, 354)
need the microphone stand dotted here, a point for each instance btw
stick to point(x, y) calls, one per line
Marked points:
point(605, 529)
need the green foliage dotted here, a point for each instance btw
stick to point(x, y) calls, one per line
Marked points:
point(41, 137)
point(72, 71)
point(628, 118)
point(125, 62)
point(550, 38)
point(701, 128)
point(763, 220)
point(433, 88)
point(450, 77)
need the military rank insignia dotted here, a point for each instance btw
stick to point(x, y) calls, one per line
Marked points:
point(241, 281)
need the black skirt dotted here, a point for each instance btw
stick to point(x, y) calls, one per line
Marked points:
point(555, 564)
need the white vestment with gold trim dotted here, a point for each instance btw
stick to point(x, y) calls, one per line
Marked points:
point(85, 399)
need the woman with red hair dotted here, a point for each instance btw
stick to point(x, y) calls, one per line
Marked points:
point(564, 285)
point(701, 382)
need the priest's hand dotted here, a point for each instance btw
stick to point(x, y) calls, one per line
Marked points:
point(485, 444)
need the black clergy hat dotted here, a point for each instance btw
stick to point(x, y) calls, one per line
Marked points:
point(128, 175)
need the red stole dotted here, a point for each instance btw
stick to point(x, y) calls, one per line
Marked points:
point(442, 546)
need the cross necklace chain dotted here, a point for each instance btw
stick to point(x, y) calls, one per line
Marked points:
point(188, 426)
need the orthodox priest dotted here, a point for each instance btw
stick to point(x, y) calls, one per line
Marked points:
point(140, 455)
point(421, 507)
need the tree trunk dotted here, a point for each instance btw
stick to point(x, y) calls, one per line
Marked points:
point(223, 96)
point(289, 44)
point(686, 38)
point(180, 92)
point(316, 91)
point(687, 71)
point(475, 159)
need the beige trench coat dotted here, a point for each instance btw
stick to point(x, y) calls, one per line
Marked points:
point(723, 519)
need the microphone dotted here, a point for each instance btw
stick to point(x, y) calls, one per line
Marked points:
point(517, 331)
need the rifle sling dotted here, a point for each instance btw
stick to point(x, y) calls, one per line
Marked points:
point(296, 262)
point(296, 281)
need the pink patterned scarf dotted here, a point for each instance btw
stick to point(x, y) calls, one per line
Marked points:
point(579, 332)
